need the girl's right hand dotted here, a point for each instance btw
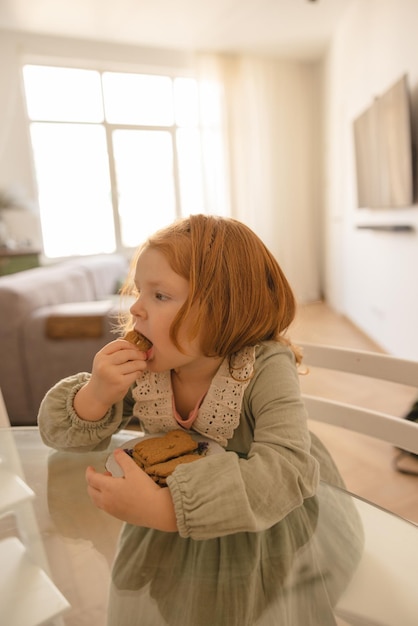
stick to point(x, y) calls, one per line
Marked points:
point(115, 368)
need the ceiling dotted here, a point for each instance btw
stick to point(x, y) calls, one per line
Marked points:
point(292, 28)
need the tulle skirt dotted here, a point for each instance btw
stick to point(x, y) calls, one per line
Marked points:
point(289, 575)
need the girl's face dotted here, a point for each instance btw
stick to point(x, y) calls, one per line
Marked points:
point(161, 293)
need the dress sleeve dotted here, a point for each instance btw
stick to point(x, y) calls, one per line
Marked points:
point(255, 487)
point(61, 428)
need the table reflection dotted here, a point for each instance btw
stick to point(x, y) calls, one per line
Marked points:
point(293, 574)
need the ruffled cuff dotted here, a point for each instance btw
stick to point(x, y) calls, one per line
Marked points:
point(60, 426)
point(78, 421)
point(207, 508)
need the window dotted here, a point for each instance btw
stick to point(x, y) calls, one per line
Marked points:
point(118, 155)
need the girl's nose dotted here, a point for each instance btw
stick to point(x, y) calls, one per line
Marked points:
point(137, 309)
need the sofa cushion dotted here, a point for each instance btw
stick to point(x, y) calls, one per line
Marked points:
point(105, 273)
point(22, 293)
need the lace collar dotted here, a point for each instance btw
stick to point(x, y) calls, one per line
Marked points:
point(219, 413)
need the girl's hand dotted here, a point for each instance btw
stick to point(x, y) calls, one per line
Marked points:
point(115, 368)
point(135, 498)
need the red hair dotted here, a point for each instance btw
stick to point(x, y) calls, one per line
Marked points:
point(237, 291)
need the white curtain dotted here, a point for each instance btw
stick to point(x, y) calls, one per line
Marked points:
point(271, 126)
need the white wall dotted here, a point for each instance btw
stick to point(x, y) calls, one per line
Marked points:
point(371, 277)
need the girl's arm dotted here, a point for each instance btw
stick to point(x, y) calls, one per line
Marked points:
point(82, 412)
point(62, 428)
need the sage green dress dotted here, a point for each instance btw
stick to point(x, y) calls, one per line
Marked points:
point(248, 536)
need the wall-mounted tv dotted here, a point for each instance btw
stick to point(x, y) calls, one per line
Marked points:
point(384, 150)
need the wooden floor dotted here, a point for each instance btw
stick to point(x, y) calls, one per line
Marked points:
point(366, 464)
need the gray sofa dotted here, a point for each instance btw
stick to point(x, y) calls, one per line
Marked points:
point(53, 320)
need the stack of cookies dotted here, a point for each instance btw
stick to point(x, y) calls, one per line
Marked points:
point(159, 456)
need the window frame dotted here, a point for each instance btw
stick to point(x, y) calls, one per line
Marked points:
point(110, 66)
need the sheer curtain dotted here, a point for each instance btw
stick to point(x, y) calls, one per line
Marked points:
point(272, 136)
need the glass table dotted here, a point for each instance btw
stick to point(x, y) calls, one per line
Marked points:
point(335, 560)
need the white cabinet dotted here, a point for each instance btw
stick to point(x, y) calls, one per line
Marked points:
point(28, 597)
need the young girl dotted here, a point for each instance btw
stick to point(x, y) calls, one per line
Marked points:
point(216, 306)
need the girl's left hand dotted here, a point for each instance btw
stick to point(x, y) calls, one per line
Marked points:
point(135, 498)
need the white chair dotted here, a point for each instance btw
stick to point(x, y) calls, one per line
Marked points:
point(383, 590)
point(399, 432)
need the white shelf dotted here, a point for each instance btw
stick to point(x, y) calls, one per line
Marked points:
point(13, 490)
point(27, 596)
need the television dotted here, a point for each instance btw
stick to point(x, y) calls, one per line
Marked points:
point(383, 144)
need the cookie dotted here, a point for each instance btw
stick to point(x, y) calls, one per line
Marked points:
point(138, 340)
point(160, 472)
point(160, 449)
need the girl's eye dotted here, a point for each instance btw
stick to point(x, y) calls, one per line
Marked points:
point(161, 296)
